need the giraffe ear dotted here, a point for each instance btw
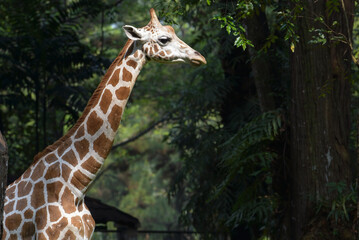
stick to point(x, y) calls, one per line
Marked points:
point(133, 33)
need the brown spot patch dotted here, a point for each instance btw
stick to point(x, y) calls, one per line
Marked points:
point(9, 207)
point(24, 188)
point(54, 212)
point(53, 191)
point(156, 48)
point(21, 204)
point(50, 158)
point(94, 100)
point(65, 172)
point(10, 192)
point(80, 180)
point(162, 53)
point(70, 235)
point(70, 157)
point(68, 201)
point(80, 206)
point(114, 118)
point(136, 54)
point(55, 229)
point(28, 230)
point(38, 171)
point(64, 146)
point(13, 237)
point(151, 52)
point(13, 221)
point(77, 222)
point(132, 63)
point(41, 218)
point(82, 147)
point(26, 173)
point(106, 100)
point(89, 224)
point(41, 236)
point(127, 76)
point(37, 196)
point(80, 132)
point(168, 52)
point(28, 214)
point(91, 165)
point(102, 145)
point(115, 78)
point(123, 93)
point(53, 171)
point(94, 123)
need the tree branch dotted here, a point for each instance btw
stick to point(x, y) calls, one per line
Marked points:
point(141, 133)
point(349, 36)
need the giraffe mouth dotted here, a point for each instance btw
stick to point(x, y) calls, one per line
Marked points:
point(197, 59)
point(196, 62)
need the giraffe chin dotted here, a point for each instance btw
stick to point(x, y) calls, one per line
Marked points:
point(197, 62)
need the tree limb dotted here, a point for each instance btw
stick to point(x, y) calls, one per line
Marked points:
point(141, 133)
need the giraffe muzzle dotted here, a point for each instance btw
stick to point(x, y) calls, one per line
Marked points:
point(196, 59)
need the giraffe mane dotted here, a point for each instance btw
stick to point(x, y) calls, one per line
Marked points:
point(93, 100)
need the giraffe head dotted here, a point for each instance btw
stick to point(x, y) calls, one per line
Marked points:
point(161, 44)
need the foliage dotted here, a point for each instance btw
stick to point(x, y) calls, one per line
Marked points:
point(343, 204)
point(227, 173)
point(234, 18)
point(237, 188)
point(247, 161)
point(244, 197)
point(217, 155)
point(333, 217)
point(43, 66)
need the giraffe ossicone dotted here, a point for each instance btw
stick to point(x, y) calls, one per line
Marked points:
point(47, 201)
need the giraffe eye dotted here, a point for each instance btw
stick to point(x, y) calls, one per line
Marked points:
point(164, 40)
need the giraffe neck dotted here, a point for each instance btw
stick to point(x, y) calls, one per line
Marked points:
point(82, 151)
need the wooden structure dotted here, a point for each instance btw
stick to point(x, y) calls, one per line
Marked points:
point(126, 224)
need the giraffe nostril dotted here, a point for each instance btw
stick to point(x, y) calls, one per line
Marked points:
point(197, 53)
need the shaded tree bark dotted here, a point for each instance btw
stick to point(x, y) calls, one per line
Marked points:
point(265, 71)
point(3, 177)
point(258, 32)
point(320, 112)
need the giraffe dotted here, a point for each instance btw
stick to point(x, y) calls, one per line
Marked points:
point(47, 200)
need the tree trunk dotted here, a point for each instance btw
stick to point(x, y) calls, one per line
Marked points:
point(258, 32)
point(3, 177)
point(320, 110)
